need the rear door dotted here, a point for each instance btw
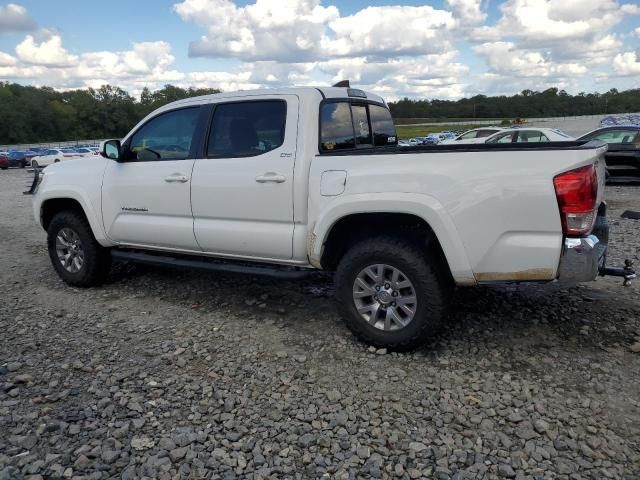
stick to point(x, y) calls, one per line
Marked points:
point(146, 197)
point(242, 190)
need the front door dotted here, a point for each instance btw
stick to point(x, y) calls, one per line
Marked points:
point(146, 196)
point(242, 190)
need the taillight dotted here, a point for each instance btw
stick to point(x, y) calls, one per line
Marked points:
point(577, 193)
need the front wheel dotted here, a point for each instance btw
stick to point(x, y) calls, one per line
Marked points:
point(74, 252)
point(23, 164)
point(391, 293)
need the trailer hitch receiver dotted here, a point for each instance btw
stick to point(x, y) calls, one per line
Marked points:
point(627, 272)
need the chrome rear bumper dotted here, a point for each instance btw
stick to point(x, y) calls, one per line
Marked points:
point(581, 259)
point(584, 258)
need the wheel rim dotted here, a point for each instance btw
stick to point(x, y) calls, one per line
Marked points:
point(385, 297)
point(69, 250)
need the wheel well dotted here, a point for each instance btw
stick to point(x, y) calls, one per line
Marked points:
point(351, 229)
point(51, 207)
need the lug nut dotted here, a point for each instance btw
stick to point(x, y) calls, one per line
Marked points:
point(378, 288)
point(386, 285)
point(394, 294)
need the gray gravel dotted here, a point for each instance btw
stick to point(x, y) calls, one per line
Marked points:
point(174, 374)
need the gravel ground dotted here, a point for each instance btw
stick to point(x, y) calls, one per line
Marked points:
point(175, 374)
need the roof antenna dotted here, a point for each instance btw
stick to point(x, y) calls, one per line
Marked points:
point(343, 83)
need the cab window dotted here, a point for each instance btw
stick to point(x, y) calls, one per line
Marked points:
point(165, 137)
point(384, 130)
point(344, 125)
point(246, 129)
point(336, 127)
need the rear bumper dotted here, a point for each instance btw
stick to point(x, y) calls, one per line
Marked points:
point(583, 258)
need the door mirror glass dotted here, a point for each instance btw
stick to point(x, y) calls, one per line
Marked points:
point(111, 149)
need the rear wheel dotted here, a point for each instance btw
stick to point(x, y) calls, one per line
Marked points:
point(74, 252)
point(56, 160)
point(23, 164)
point(391, 292)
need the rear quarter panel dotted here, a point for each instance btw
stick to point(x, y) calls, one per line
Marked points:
point(495, 212)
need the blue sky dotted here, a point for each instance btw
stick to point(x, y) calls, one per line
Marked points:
point(434, 49)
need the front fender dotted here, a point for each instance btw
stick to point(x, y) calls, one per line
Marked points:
point(89, 207)
point(420, 205)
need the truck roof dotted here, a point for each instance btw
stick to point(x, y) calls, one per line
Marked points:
point(303, 92)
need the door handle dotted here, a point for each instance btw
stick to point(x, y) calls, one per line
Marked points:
point(176, 177)
point(270, 177)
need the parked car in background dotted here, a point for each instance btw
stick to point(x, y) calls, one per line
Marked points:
point(17, 159)
point(53, 155)
point(623, 152)
point(86, 151)
point(524, 135)
point(621, 120)
point(477, 135)
point(4, 162)
point(447, 135)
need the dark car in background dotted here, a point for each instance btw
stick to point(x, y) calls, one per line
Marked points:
point(17, 159)
point(623, 153)
point(4, 162)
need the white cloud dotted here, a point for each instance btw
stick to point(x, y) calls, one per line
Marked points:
point(626, 63)
point(543, 20)
point(304, 30)
point(14, 18)
point(631, 9)
point(507, 58)
point(7, 60)
point(391, 30)
point(467, 12)
point(48, 52)
point(394, 50)
point(286, 30)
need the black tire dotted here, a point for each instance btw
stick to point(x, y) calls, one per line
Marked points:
point(426, 272)
point(34, 164)
point(57, 160)
point(23, 164)
point(4, 168)
point(97, 259)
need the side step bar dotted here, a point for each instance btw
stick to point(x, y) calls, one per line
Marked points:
point(289, 273)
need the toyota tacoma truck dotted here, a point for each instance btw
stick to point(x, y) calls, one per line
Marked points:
point(279, 182)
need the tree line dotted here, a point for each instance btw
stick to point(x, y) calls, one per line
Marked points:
point(526, 104)
point(41, 114)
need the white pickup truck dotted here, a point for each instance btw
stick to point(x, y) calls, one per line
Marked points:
point(282, 181)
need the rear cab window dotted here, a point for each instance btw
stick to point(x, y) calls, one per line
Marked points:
point(346, 124)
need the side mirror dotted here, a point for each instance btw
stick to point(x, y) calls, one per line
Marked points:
point(111, 149)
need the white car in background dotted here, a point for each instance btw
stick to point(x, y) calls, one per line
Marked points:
point(87, 151)
point(54, 155)
point(526, 135)
point(477, 135)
